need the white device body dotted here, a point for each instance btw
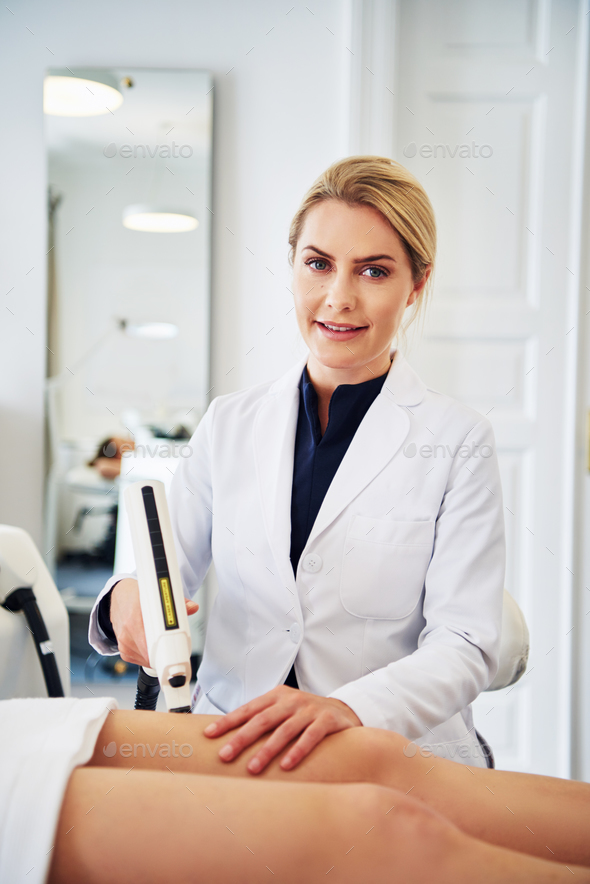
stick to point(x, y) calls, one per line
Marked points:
point(161, 595)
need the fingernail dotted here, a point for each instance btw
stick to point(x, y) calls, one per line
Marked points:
point(254, 765)
point(286, 762)
point(226, 753)
point(211, 728)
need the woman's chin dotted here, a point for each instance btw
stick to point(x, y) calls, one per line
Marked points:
point(334, 358)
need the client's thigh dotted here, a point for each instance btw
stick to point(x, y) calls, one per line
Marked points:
point(144, 826)
point(160, 741)
point(147, 826)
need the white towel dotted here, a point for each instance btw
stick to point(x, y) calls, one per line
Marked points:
point(41, 741)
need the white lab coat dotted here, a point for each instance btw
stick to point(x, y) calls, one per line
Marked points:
point(397, 604)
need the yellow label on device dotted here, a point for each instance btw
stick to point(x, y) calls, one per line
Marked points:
point(167, 602)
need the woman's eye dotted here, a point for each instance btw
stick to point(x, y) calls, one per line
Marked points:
point(375, 272)
point(320, 265)
point(318, 261)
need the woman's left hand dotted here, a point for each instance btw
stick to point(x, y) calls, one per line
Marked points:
point(288, 713)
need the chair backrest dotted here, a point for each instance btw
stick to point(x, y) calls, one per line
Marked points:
point(514, 647)
point(20, 670)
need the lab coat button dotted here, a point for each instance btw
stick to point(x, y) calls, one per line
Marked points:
point(295, 632)
point(312, 563)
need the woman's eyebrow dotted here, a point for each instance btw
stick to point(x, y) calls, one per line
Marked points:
point(373, 258)
point(355, 260)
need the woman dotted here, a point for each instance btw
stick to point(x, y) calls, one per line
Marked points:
point(354, 516)
point(107, 459)
point(150, 801)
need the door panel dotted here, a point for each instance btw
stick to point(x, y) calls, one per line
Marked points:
point(492, 118)
point(485, 105)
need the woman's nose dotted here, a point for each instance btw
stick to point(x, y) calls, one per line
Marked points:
point(340, 294)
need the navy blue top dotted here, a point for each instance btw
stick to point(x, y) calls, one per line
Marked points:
point(318, 457)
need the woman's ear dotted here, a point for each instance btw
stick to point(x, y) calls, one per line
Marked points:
point(419, 287)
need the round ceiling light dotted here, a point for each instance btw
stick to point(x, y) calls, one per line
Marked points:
point(84, 93)
point(150, 219)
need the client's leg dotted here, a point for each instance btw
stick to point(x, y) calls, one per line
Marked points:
point(148, 826)
point(543, 816)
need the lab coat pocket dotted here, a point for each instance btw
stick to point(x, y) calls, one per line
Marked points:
point(384, 567)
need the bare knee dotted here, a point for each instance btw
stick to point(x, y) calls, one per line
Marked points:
point(396, 829)
point(370, 802)
point(382, 742)
point(376, 753)
point(401, 818)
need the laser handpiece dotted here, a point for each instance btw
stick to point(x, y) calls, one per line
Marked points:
point(162, 600)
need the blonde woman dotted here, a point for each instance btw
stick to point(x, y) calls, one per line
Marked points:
point(354, 515)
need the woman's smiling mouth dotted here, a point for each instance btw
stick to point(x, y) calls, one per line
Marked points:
point(337, 331)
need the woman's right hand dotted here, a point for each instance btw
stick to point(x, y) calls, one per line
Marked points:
point(127, 621)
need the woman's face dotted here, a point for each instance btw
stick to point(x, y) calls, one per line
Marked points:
point(352, 281)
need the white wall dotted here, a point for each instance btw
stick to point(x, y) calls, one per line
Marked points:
point(279, 119)
point(581, 638)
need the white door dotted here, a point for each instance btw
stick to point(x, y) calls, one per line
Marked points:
point(484, 103)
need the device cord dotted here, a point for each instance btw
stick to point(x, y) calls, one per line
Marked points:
point(23, 599)
point(148, 690)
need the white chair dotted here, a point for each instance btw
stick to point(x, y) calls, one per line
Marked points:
point(514, 646)
point(20, 671)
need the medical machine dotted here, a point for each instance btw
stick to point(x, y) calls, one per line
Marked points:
point(162, 600)
point(34, 625)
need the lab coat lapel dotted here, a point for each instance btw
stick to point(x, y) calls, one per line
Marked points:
point(378, 438)
point(274, 446)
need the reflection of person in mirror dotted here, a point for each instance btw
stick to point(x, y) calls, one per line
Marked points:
point(358, 586)
point(107, 459)
point(107, 462)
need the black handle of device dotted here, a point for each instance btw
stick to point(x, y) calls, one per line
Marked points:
point(148, 690)
point(23, 599)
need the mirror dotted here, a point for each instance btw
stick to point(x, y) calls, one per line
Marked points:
point(129, 178)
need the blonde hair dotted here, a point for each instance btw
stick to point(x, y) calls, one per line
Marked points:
point(387, 186)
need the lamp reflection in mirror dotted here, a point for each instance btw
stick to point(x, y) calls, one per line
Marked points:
point(81, 93)
point(153, 331)
point(151, 219)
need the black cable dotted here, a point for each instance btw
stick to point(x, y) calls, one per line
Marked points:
point(23, 599)
point(148, 690)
